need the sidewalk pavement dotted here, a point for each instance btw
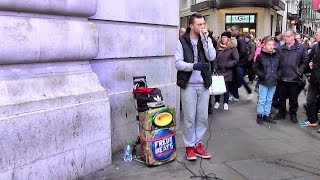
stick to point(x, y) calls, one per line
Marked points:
point(241, 149)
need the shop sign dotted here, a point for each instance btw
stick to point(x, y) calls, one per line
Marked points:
point(240, 18)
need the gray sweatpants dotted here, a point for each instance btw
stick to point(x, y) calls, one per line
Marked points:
point(194, 101)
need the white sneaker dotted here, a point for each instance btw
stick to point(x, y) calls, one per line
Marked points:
point(216, 105)
point(225, 106)
point(231, 98)
point(235, 99)
point(250, 96)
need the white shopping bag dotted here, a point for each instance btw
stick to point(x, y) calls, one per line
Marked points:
point(218, 86)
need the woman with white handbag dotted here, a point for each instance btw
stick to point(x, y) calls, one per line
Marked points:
point(227, 58)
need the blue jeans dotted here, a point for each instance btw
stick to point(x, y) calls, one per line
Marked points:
point(240, 72)
point(265, 99)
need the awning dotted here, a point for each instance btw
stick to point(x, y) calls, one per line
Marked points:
point(316, 5)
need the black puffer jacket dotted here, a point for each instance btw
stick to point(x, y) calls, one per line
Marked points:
point(243, 53)
point(293, 62)
point(314, 57)
point(267, 68)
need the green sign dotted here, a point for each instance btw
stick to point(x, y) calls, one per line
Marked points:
point(240, 19)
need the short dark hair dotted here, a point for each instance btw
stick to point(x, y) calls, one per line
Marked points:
point(267, 39)
point(236, 26)
point(194, 16)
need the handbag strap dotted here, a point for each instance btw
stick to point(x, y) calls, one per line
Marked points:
point(215, 72)
point(220, 53)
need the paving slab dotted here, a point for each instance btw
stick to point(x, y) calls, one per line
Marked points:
point(172, 170)
point(307, 178)
point(305, 161)
point(230, 145)
point(252, 169)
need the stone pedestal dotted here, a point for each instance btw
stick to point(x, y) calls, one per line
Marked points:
point(54, 114)
point(66, 69)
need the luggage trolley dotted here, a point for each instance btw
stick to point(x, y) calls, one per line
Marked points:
point(157, 125)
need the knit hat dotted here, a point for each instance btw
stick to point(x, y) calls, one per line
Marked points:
point(227, 34)
point(248, 36)
point(277, 33)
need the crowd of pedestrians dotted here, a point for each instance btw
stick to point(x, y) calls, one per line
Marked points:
point(279, 66)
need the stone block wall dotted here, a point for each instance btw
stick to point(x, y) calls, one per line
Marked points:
point(136, 38)
point(54, 113)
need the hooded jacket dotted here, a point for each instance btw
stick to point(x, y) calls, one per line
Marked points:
point(267, 68)
point(227, 58)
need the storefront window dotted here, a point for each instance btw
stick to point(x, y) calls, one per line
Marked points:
point(247, 22)
point(184, 21)
point(206, 19)
point(197, 1)
point(279, 23)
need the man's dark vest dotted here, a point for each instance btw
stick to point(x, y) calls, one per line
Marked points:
point(188, 54)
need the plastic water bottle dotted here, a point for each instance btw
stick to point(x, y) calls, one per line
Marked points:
point(127, 157)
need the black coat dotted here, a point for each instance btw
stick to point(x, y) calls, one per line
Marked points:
point(314, 56)
point(267, 68)
point(243, 52)
point(293, 62)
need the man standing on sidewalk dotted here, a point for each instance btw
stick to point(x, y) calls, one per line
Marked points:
point(242, 66)
point(193, 53)
point(251, 49)
point(314, 85)
point(293, 61)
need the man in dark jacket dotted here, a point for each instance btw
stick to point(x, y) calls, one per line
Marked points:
point(193, 53)
point(278, 39)
point(293, 62)
point(241, 68)
point(251, 49)
point(314, 85)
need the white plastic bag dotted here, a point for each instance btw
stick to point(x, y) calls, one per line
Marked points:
point(218, 86)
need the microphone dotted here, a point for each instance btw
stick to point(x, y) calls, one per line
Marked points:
point(205, 33)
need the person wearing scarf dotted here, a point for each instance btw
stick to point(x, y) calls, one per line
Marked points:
point(227, 58)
